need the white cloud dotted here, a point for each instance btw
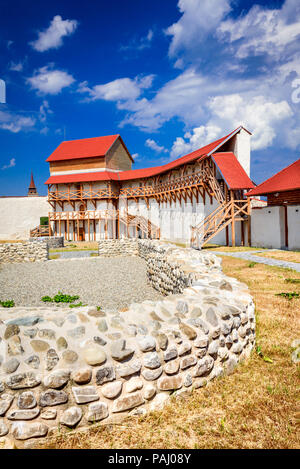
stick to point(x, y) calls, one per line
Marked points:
point(52, 37)
point(15, 122)
point(263, 30)
point(139, 44)
point(11, 164)
point(150, 143)
point(44, 111)
point(197, 138)
point(49, 81)
point(16, 67)
point(259, 115)
point(199, 18)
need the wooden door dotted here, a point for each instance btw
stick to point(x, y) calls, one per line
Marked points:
point(81, 234)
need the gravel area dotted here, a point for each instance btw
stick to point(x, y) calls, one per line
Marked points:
point(111, 283)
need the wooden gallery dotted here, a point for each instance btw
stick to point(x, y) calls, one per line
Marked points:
point(95, 194)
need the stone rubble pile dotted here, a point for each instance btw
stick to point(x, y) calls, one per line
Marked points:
point(70, 368)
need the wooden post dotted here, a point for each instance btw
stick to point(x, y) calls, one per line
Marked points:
point(94, 226)
point(232, 220)
point(68, 225)
point(77, 226)
point(249, 221)
point(89, 224)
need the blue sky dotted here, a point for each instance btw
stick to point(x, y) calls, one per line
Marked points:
point(169, 76)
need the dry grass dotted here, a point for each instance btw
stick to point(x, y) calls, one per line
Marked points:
point(256, 407)
point(217, 247)
point(289, 256)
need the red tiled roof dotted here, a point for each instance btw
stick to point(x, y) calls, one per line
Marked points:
point(139, 173)
point(232, 171)
point(84, 148)
point(286, 180)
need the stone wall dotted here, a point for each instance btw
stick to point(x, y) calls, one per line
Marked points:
point(70, 368)
point(31, 251)
point(118, 247)
point(52, 241)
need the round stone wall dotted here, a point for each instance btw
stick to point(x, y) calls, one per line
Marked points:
point(74, 367)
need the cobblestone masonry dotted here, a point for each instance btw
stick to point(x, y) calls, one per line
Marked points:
point(75, 367)
point(29, 251)
point(52, 241)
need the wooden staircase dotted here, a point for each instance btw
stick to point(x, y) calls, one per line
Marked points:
point(227, 213)
point(40, 230)
point(143, 226)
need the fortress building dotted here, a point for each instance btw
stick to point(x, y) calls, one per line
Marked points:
point(95, 194)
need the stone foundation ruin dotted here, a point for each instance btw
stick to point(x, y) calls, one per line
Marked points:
point(74, 367)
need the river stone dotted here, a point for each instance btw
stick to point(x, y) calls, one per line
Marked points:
point(53, 397)
point(237, 348)
point(2, 386)
point(99, 340)
point(152, 360)
point(82, 376)
point(33, 361)
point(171, 353)
point(199, 383)
point(96, 314)
point(201, 352)
point(14, 346)
point(5, 403)
point(235, 335)
point(61, 343)
point(27, 414)
point(149, 391)
point(230, 365)
point(94, 355)
point(25, 430)
point(196, 312)
point(127, 402)
point(56, 379)
point(188, 331)
point(202, 325)
point(188, 380)
point(225, 328)
point(147, 343)
point(162, 340)
point(211, 317)
point(168, 383)
point(71, 417)
point(27, 321)
point(187, 362)
point(85, 394)
point(152, 375)
point(3, 429)
point(185, 347)
point(129, 369)
point(26, 400)
point(204, 366)
point(111, 390)
point(102, 325)
point(118, 350)
point(97, 411)
point(51, 359)
point(105, 374)
point(49, 414)
point(11, 365)
point(11, 330)
point(172, 367)
point(134, 384)
point(39, 345)
point(213, 348)
point(76, 333)
point(47, 334)
point(70, 356)
point(23, 381)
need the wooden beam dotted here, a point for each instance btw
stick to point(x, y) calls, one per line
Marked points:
point(249, 220)
point(232, 219)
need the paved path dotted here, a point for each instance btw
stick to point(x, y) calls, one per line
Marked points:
point(248, 256)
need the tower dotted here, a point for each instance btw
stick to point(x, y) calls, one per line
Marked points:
point(32, 189)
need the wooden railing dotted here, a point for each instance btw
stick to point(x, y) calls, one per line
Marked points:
point(143, 227)
point(40, 230)
point(227, 213)
point(204, 175)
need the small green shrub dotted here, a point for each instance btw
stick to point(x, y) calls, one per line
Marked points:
point(252, 264)
point(60, 298)
point(292, 280)
point(289, 295)
point(7, 303)
point(76, 305)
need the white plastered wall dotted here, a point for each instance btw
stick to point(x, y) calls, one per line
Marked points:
point(293, 216)
point(19, 215)
point(267, 227)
